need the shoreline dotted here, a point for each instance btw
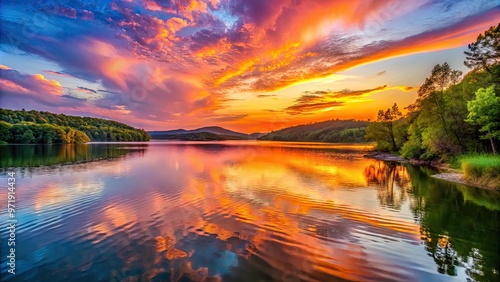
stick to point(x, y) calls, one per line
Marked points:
point(447, 174)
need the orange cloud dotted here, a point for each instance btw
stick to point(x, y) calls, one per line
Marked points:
point(289, 42)
point(311, 102)
point(295, 67)
point(51, 86)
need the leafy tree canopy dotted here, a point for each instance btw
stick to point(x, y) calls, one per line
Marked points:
point(485, 52)
point(485, 112)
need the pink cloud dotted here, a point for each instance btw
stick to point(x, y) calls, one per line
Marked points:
point(68, 12)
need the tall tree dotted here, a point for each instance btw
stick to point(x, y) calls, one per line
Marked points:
point(485, 52)
point(384, 130)
point(442, 77)
point(485, 112)
point(432, 98)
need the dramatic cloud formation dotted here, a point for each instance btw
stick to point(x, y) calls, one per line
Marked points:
point(35, 84)
point(170, 64)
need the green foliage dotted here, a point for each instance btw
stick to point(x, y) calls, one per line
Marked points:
point(74, 136)
point(485, 112)
point(5, 131)
point(437, 122)
point(443, 121)
point(389, 131)
point(482, 169)
point(439, 125)
point(50, 128)
point(485, 52)
point(27, 137)
point(337, 131)
point(414, 147)
point(442, 77)
point(29, 133)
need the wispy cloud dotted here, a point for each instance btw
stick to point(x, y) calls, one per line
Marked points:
point(85, 90)
point(322, 100)
point(309, 107)
point(56, 73)
point(266, 95)
point(223, 118)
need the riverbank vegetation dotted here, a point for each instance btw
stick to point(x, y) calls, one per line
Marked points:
point(482, 169)
point(34, 127)
point(453, 115)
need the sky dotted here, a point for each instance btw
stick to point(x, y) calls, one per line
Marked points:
point(246, 65)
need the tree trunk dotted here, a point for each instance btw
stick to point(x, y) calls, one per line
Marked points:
point(493, 146)
point(391, 133)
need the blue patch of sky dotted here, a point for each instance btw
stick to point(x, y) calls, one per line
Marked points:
point(228, 19)
point(391, 24)
point(435, 15)
point(23, 62)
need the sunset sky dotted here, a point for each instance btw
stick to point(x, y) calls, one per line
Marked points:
point(246, 65)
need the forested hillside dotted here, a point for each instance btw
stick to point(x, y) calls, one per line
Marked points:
point(326, 131)
point(43, 127)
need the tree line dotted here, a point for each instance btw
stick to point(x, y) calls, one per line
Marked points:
point(27, 127)
point(452, 114)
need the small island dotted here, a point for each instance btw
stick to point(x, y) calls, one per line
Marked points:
point(36, 127)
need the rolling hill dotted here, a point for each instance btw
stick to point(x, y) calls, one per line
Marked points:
point(336, 131)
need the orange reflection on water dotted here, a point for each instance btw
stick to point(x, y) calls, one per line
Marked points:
point(392, 182)
point(289, 203)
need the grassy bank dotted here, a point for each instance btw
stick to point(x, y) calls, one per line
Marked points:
point(482, 169)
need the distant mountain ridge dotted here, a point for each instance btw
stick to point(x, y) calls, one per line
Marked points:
point(203, 133)
point(335, 131)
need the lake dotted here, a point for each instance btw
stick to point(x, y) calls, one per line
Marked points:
point(240, 211)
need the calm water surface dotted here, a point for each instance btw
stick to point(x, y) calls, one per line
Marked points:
point(241, 211)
